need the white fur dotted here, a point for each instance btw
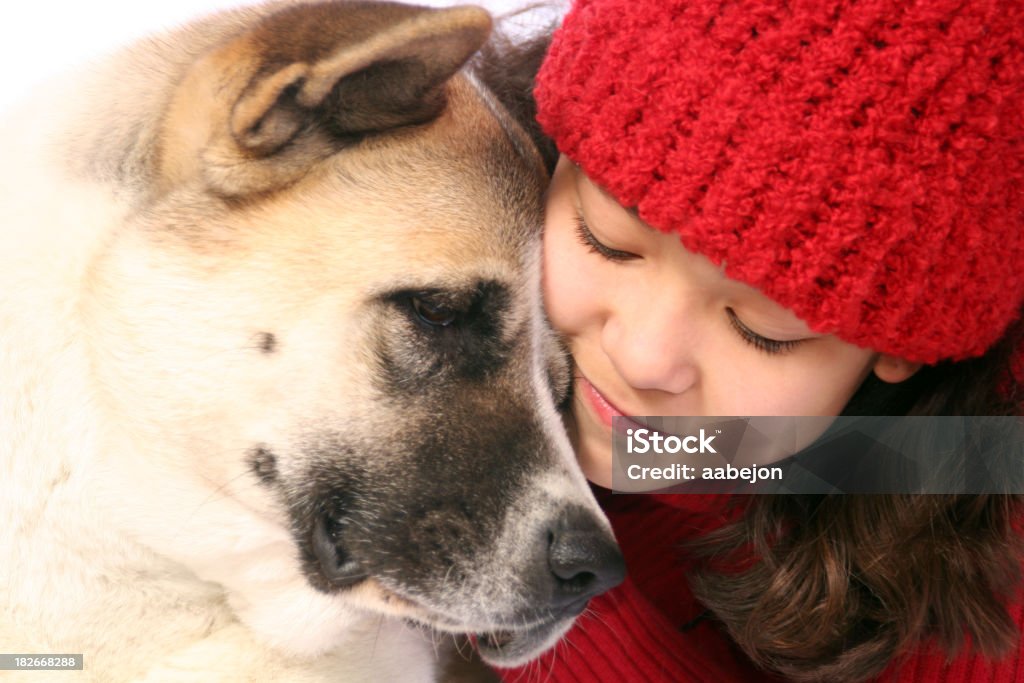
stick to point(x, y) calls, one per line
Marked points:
point(142, 568)
point(152, 566)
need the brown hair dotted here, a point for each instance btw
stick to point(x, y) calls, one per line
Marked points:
point(843, 585)
point(507, 67)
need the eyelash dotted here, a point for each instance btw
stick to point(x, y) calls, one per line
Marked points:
point(588, 240)
point(769, 346)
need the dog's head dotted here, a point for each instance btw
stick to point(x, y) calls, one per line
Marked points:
point(327, 307)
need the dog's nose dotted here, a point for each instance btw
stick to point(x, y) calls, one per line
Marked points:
point(583, 558)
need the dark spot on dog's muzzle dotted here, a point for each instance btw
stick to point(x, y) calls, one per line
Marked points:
point(339, 568)
point(263, 464)
point(267, 342)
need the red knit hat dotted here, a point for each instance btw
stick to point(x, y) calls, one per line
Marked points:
point(861, 163)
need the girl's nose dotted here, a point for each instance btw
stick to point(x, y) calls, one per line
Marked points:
point(652, 348)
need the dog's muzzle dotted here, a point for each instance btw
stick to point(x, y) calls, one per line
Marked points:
point(574, 558)
point(583, 561)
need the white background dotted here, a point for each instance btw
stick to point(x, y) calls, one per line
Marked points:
point(40, 38)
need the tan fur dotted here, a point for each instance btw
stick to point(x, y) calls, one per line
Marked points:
point(159, 216)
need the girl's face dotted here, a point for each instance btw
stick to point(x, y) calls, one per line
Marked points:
point(657, 330)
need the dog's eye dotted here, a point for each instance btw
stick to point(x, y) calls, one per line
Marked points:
point(434, 315)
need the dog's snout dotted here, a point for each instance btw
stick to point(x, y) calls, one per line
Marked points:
point(583, 558)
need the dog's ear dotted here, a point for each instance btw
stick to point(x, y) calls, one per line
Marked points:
point(256, 113)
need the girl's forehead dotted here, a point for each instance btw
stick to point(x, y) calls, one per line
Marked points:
point(600, 197)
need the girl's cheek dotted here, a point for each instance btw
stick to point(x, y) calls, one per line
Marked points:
point(565, 284)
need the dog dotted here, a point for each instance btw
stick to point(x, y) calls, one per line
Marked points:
point(277, 395)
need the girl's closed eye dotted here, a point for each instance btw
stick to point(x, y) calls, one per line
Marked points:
point(762, 343)
point(588, 240)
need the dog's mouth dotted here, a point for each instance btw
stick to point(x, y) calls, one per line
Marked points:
point(510, 648)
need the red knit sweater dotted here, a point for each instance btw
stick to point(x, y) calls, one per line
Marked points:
point(651, 628)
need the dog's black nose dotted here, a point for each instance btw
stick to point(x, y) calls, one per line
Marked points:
point(583, 558)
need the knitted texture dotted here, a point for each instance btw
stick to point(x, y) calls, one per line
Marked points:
point(859, 162)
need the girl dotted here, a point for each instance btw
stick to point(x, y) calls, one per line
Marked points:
point(790, 208)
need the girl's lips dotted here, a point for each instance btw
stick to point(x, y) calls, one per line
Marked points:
point(600, 405)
